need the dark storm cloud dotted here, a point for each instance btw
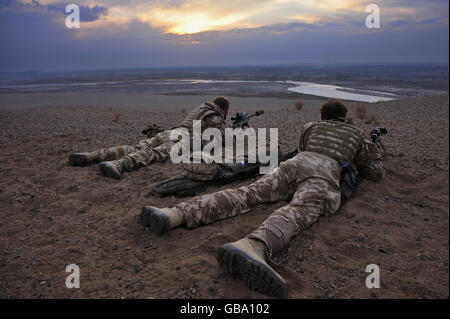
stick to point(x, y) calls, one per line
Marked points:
point(87, 14)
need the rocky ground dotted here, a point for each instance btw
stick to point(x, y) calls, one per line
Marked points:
point(52, 215)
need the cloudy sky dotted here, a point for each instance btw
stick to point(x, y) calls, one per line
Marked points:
point(139, 33)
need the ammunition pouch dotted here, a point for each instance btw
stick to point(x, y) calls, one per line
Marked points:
point(349, 181)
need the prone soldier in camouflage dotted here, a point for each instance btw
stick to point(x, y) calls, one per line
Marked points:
point(310, 181)
point(115, 160)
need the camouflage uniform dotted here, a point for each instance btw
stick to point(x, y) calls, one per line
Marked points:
point(310, 181)
point(158, 147)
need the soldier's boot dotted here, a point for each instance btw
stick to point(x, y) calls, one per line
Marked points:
point(82, 159)
point(113, 169)
point(246, 258)
point(161, 220)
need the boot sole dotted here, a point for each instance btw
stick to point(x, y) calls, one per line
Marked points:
point(108, 171)
point(257, 276)
point(78, 160)
point(156, 220)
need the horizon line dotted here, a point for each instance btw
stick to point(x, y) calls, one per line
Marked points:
point(268, 65)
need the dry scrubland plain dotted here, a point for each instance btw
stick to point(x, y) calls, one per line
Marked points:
point(52, 214)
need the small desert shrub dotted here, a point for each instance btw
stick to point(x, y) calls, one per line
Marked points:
point(360, 112)
point(299, 105)
point(116, 117)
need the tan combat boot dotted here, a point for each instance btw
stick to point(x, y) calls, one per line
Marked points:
point(81, 159)
point(161, 220)
point(112, 169)
point(246, 258)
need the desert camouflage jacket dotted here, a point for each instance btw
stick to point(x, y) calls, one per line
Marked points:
point(211, 115)
point(366, 155)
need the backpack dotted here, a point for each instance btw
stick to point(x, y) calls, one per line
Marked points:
point(215, 171)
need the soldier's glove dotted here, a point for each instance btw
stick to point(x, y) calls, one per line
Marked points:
point(152, 130)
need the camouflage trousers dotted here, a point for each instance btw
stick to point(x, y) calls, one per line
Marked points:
point(144, 153)
point(309, 181)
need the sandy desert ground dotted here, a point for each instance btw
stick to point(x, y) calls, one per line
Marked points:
point(52, 215)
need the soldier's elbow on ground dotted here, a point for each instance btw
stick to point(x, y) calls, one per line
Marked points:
point(374, 175)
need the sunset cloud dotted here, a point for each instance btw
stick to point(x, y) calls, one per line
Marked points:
point(184, 17)
point(168, 32)
point(195, 16)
